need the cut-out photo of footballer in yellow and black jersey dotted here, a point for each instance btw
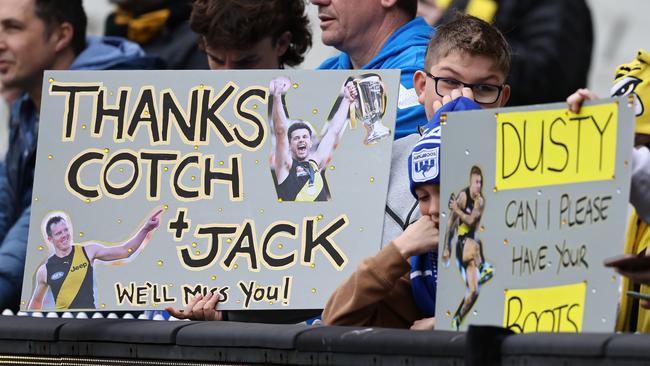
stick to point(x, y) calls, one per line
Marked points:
point(67, 277)
point(466, 208)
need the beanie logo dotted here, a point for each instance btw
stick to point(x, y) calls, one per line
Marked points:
point(424, 164)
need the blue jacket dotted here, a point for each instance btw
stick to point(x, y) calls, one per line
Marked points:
point(404, 50)
point(17, 173)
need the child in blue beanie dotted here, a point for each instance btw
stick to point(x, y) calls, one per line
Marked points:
point(466, 67)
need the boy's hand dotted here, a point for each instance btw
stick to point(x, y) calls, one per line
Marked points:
point(419, 237)
point(455, 94)
point(576, 99)
point(199, 308)
point(424, 324)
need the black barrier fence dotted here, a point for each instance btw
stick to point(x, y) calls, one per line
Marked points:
point(58, 341)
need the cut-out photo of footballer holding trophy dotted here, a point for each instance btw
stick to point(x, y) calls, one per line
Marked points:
point(298, 159)
point(68, 276)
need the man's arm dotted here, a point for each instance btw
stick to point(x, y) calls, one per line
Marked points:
point(282, 155)
point(327, 143)
point(36, 301)
point(125, 250)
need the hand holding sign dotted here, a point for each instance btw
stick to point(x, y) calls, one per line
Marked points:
point(199, 308)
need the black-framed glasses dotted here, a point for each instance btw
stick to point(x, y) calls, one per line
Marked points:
point(483, 93)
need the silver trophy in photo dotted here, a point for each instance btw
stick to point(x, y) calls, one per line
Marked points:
point(369, 107)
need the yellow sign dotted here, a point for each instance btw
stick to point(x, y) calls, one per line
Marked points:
point(548, 147)
point(550, 309)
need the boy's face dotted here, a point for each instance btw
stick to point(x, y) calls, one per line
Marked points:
point(429, 200)
point(463, 67)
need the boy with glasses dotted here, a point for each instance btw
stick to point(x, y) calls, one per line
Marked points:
point(466, 67)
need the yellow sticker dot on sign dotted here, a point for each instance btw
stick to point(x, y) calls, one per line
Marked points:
point(279, 199)
point(40, 247)
point(81, 234)
point(213, 278)
point(193, 178)
point(88, 200)
point(505, 241)
point(295, 85)
point(495, 189)
point(280, 246)
point(261, 210)
point(313, 265)
point(160, 263)
point(83, 127)
point(119, 221)
point(196, 147)
point(166, 207)
point(372, 179)
point(221, 162)
point(50, 80)
point(130, 250)
point(220, 209)
point(197, 252)
point(314, 111)
point(50, 157)
point(313, 290)
point(229, 240)
point(106, 150)
point(166, 169)
point(194, 245)
point(238, 301)
point(201, 86)
point(257, 162)
point(332, 167)
point(254, 106)
point(235, 266)
point(36, 199)
point(23, 302)
point(145, 113)
point(102, 306)
point(319, 217)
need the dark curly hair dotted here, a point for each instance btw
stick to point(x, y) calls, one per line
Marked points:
point(238, 24)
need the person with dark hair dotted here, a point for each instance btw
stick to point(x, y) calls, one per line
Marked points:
point(68, 273)
point(299, 171)
point(161, 28)
point(252, 34)
point(379, 35)
point(39, 35)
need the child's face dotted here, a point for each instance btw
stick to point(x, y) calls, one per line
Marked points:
point(429, 200)
point(465, 68)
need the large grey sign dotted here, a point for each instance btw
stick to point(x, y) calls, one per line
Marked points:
point(152, 187)
point(533, 200)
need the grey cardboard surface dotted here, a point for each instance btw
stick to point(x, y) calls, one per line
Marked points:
point(357, 176)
